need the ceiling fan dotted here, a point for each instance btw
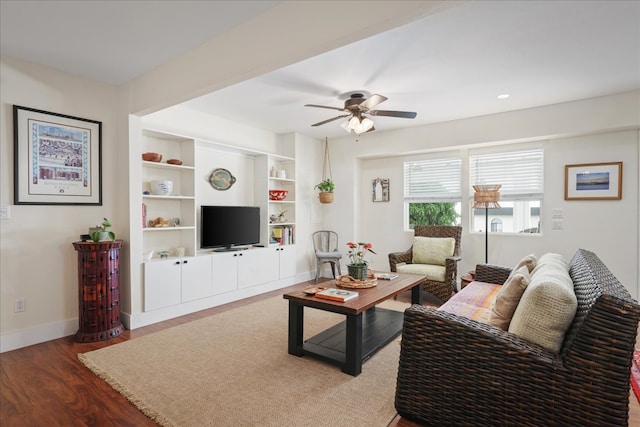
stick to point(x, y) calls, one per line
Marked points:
point(357, 107)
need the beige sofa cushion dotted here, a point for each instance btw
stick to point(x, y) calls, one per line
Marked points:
point(433, 272)
point(432, 250)
point(508, 298)
point(548, 305)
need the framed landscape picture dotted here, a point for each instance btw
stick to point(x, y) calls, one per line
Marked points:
point(593, 181)
point(57, 159)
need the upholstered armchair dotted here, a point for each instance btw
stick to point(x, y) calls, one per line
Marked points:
point(435, 254)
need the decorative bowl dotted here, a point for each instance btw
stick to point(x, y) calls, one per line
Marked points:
point(278, 194)
point(162, 188)
point(152, 157)
point(174, 162)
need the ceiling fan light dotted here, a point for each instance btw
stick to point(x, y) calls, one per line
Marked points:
point(365, 124)
point(345, 126)
point(354, 123)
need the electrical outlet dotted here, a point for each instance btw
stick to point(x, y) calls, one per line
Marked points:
point(20, 305)
point(5, 212)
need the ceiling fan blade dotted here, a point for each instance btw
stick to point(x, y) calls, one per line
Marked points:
point(324, 106)
point(330, 120)
point(372, 101)
point(388, 113)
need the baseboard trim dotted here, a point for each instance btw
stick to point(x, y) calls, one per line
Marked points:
point(64, 328)
point(38, 334)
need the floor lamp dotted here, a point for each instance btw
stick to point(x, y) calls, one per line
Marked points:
point(486, 196)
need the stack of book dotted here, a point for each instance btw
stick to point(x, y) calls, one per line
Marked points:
point(334, 294)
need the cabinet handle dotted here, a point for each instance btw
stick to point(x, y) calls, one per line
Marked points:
point(185, 261)
point(177, 262)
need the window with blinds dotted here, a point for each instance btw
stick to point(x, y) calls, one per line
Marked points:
point(436, 180)
point(520, 173)
point(432, 191)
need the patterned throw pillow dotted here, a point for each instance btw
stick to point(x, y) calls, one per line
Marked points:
point(432, 250)
point(508, 298)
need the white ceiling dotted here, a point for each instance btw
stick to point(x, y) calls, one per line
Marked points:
point(446, 66)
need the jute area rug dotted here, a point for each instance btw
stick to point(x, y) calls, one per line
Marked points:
point(233, 369)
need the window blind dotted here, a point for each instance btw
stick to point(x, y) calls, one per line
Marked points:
point(432, 181)
point(520, 173)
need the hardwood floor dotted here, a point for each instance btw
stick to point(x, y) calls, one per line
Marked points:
point(46, 385)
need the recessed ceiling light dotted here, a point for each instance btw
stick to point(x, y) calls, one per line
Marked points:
point(504, 96)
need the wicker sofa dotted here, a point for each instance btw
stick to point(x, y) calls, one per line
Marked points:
point(455, 371)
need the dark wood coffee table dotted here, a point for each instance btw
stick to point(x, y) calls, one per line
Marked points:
point(365, 330)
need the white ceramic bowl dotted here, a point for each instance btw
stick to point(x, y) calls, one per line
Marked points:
point(162, 188)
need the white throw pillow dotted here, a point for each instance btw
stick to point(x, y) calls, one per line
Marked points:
point(548, 305)
point(432, 250)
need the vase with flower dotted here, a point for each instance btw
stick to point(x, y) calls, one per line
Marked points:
point(357, 266)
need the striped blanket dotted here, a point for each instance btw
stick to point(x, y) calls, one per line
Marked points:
point(475, 301)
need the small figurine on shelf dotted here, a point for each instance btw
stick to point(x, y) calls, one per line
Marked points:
point(275, 218)
point(100, 233)
point(158, 222)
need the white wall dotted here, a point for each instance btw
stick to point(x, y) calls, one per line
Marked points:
point(587, 131)
point(37, 259)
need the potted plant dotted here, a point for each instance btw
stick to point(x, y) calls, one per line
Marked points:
point(326, 188)
point(358, 267)
point(103, 232)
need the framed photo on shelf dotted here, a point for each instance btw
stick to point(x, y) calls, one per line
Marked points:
point(380, 190)
point(57, 159)
point(593, 181)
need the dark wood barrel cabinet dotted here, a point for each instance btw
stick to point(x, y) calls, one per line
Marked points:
point(98, 290)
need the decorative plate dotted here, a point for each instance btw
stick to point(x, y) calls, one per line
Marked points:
point(221, 179)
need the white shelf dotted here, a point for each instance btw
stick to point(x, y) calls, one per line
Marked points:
point(282, 202)
point(155, 196)
point(167, 228)
point(282, 179)
point(160, 165)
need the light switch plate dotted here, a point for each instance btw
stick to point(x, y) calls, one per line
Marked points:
point(556, 224)
point(556, 213)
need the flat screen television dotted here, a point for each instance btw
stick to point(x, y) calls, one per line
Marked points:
point(227, 228)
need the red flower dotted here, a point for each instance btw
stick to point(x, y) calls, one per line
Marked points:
point(357, 252)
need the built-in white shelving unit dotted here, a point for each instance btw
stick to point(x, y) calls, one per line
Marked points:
point(197, 279)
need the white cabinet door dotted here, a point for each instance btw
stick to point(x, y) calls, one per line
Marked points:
point(225, 272)
point(257, 266)
point(162, 283)
point(287, 261)
point(196, 278)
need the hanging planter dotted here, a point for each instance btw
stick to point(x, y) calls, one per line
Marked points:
point(326, 197)
point(327, 186)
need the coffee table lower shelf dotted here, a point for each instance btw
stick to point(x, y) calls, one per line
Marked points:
point(379, 327)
